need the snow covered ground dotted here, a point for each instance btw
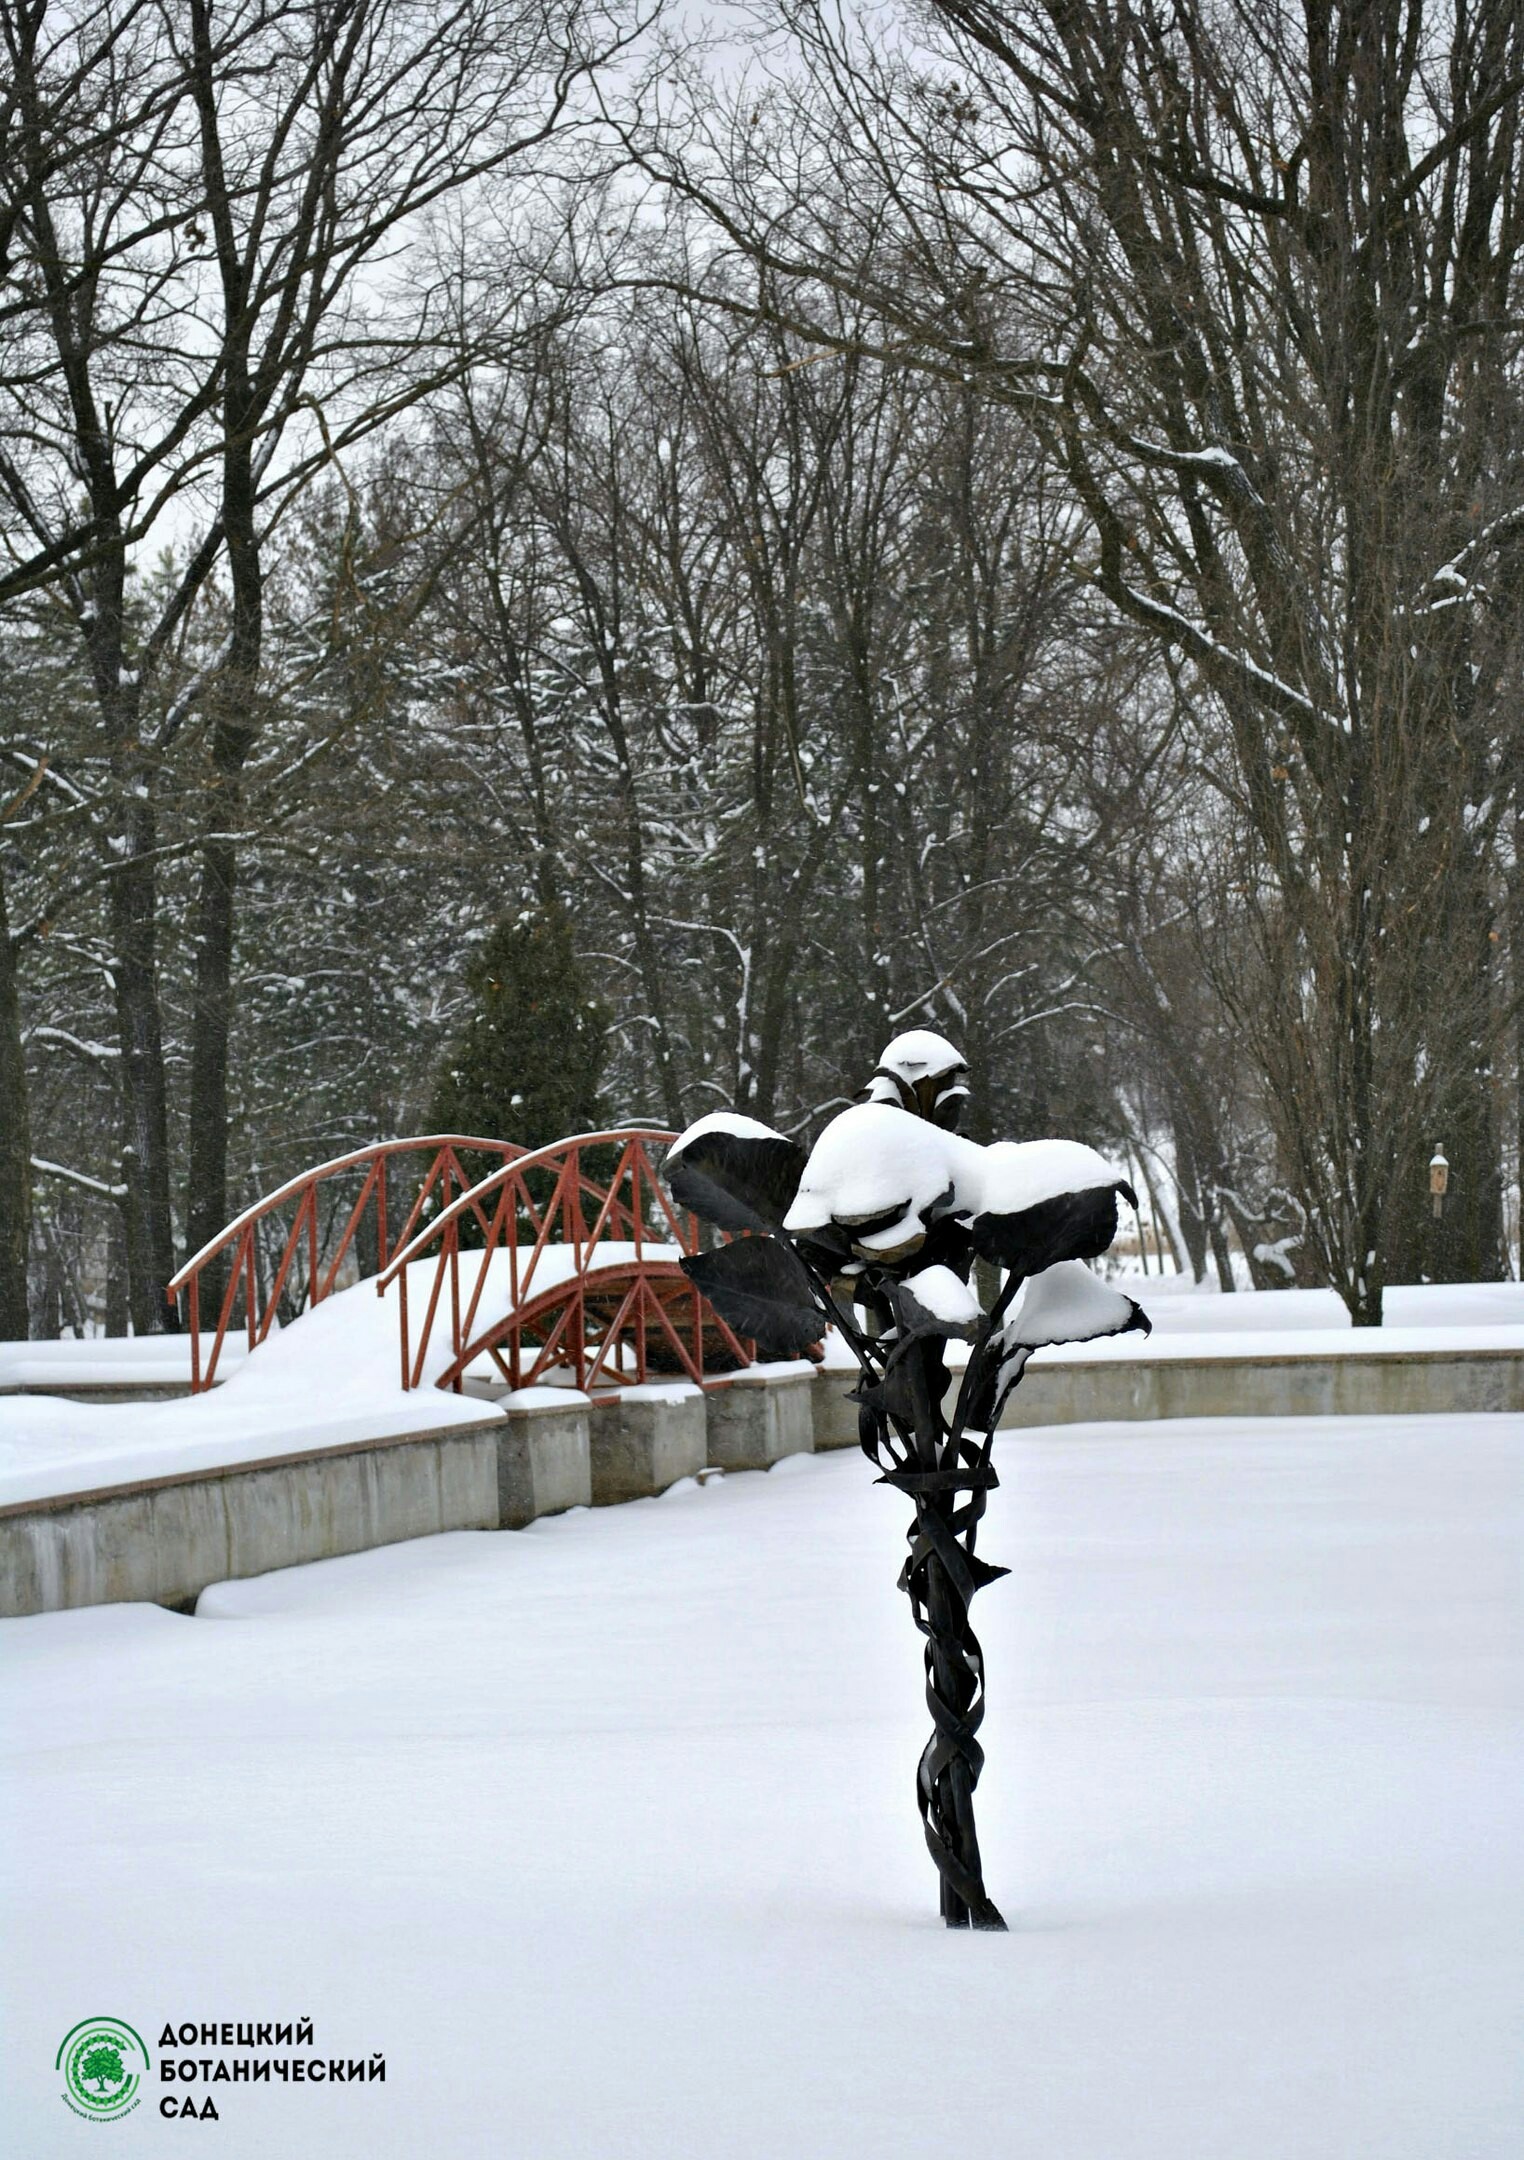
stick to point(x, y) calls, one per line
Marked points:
point(1179, 1306)
point(604, 1831)
point(111, 1361)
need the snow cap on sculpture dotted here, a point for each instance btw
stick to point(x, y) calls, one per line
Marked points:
point(876, 1181)
point(1043, 1201)
point(921, 1072)
point(876, 1185)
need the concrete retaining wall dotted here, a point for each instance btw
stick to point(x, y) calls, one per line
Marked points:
point(759, 1418)
point(544, 1462)
point(166, 1539)
point(1376, 1384)
point(1380, 1384)
point(645, 1439)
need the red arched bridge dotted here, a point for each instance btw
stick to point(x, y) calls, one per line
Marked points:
point(560, 1261)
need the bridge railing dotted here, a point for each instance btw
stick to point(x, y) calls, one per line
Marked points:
point(560, 1199)
point(310, 1257)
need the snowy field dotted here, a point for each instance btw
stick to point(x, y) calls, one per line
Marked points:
point(111, 1361)
point(604, 1831)
point(1193, 1320)
point(1411, 1313)
point(1180, 1306)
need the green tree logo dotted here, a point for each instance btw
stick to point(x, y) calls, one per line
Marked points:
point(103, 2063)
point(102, 2067)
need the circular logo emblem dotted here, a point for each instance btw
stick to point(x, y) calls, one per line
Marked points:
point(103, 2064)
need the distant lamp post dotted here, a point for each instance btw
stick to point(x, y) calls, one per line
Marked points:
point(1439, 1181)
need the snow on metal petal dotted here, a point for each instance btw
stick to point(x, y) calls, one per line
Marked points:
point(1064, 1304)
point(875, 1161)
point(935, 1301)
point(1067, 1303)
point(1017, 1174)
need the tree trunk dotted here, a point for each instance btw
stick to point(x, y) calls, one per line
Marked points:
point(1193, 1226)
point(145, 1122)
point(116, 1272)
point(234, 701)
point(234, 695)
point(1516, 970)
point(15, 1144)
point(206, 1208)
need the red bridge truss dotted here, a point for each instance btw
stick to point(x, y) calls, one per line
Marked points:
point(559, 1262)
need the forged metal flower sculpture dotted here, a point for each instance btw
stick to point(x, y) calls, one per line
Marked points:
point(875, 1232)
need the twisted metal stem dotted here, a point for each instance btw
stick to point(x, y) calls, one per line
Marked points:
point(948, 1478)
point(948, 1474)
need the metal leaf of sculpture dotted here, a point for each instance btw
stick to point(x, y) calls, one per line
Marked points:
point(1069, 1226)
point(759, 1286)
point(1065, 1304)
point(896, 1204)
point(734, 1172)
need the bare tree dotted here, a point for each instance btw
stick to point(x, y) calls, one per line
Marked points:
point(216, 227)
point(15, 1132)
point(1254, 277)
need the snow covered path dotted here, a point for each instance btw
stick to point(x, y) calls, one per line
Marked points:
point(604, 1831)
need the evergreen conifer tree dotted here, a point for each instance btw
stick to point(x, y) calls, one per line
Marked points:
point(527, 1064)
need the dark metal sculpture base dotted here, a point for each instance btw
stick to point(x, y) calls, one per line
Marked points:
point(948, 1477)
